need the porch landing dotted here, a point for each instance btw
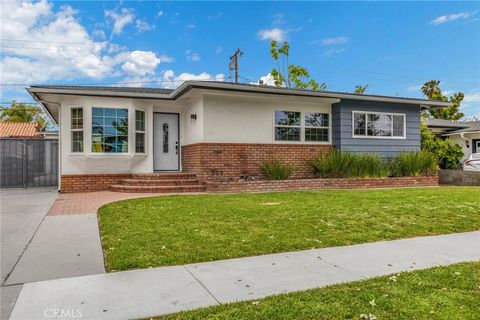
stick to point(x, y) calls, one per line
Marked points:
point(159, 183)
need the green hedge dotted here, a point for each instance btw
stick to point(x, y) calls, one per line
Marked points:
point(336, 164)
point(276, 169)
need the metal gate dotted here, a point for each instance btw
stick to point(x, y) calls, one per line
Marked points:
point(29, 163)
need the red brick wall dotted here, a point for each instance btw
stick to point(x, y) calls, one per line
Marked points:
point(89, 182)
point(312, 184)
point(225, 160)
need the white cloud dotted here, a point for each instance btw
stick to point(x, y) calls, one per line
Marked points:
point(218, 49)
point(333, 51)
point(100, 34)
point(160, 13)
point(471, 104)
point(142, 26)
point(192, 56)
point(120, 19)
point(141, 63)
point(415, 88)
point(276, 34)
point(190, 26)
point(333, 41)
point(53, 45)
point(172, 81)
point(472, 97)
point(266, 80)
point(453, 17)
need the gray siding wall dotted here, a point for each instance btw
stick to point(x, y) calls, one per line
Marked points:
point(343, 140)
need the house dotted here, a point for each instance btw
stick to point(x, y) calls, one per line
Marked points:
point(216, 130)
point(464, 133)
point(18, 130)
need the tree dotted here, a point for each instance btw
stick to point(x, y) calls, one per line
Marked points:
point(289, 75)
point(443, 149)
point(360, 89)
point(21, 112)
point(431, 89)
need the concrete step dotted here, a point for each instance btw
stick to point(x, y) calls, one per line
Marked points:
point(159, 182)
point(158, 189)
point(161, 176)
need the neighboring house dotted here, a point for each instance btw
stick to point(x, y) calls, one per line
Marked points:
point(463, 133)
point(218, 130)
point(18, 130)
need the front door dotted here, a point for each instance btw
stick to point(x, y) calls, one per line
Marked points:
point(166, 144)
point(476, 146)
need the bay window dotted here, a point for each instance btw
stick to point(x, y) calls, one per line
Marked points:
point(378, 124)
point(109, 130)
point(76, 126)
point(139, 131)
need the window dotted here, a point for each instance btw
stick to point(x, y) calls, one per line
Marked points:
point(316, 126)
point(139, 131)
point(77, 129)
point(378, 124)
point(109, 130)
point(287, 126)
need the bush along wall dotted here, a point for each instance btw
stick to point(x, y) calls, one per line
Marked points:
point(336, 164)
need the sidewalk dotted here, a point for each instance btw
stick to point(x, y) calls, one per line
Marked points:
point(151, 292)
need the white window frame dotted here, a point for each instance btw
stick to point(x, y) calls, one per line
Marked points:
point(302, 128)
point(366, 136)
point(138, 131)
point(77, 130)
point(115, 154)
point(313, 127)
point(285, 126)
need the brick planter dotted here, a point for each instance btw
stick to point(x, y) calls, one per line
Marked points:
point(89, 182)
point(315, 184)
point(233, 160)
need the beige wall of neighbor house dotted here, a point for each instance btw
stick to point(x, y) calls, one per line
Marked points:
point(462, 142)
point(232, 118)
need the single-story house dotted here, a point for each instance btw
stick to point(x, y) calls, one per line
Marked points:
point(217, 130)
point(463, 133)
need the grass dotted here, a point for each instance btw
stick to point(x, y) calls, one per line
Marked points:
point(171, 230)
point(451, 292)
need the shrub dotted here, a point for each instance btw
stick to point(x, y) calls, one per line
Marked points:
point(276, 169)
point(421, 163)
point(444, 149)
point(336, 164)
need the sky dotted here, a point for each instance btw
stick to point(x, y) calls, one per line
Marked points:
point(394, 47)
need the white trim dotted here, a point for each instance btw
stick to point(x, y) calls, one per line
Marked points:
point(379, 137)
point(77, 130)
point(137, 131)
point(302, 129)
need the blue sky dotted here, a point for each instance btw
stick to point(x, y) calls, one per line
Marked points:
point(393, 47)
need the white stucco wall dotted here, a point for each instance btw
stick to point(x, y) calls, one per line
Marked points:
point(91, 162)
point(458, 140)
point(250, 119)
point(222, 118)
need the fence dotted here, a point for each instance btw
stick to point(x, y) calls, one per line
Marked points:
point(460, 178)
point(29, 163)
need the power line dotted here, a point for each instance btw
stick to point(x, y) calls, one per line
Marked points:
point(41, 41)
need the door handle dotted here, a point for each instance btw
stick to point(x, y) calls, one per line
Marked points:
point(176, 147)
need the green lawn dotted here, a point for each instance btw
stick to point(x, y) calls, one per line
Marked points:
point(172, 230)
point(451, 292)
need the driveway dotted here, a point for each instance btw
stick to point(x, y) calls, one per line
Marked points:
point(37, 246)
point(22, 211)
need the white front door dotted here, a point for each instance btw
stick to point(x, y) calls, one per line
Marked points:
point(166, 143)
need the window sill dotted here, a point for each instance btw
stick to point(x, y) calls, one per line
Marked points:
point(379, 137)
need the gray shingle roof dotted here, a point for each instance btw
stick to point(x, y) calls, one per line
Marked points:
point(112, 89)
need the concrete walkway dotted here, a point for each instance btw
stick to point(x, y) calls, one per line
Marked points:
point(22, 211)
point(150, 292)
